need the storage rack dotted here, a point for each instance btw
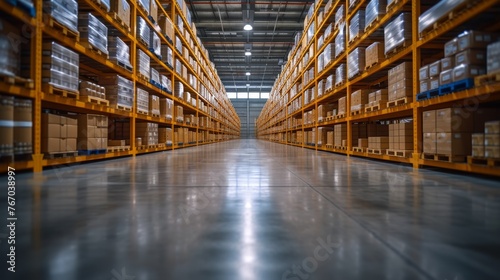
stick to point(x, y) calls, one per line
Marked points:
point(34, 29)
point(274, 122)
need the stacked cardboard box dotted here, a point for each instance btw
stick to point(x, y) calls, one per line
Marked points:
point(148, 132)
point(167, 55)
point(401, 136)
point(429, 132)
point(323, 135)
point(122, 10)
point(179, 114)
point(400, 82)
point(359, 134)
point(92, 132)
point(59, 133)
point(166, 108)
point(119, 129)
point(142, 101)
point(60, 66)
point(6, 125)
point(154, 105)
point(374, 54)
point(493, 58)
point(342, 105)
point(378, 142)
point(144, 64)
point(23, 123)
point(359, 99)
point(92, 89)
point(492, 139)
point(323, 110)
point(377, 97)
point(340, 75)
point(165, 135)
point(340, 134)
point(119, 91)
point(374, 9)
point(329, 137)
point(153, 10)
point(155, 43)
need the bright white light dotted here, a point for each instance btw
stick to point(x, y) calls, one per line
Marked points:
point(248, 53)
point(247, 73)
point(247, 27)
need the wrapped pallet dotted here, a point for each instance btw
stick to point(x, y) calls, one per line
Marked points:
point(119, 91)
point(398, 32)
point(374, 10)
point(93, 31)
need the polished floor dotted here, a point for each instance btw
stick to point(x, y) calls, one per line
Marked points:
point(249, 209)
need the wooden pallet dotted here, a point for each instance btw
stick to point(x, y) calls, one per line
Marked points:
point(95, 50)
point(50, 89)
point(373, 23)
point(357, 112)
point(358, 149)
point(61, 154)
point(392, 5)
point(447, 158)
point(121, 64)
point(142, 77)
point(101, 5)
point(156, 115)
point(17, 81)
point(376, 151)
point(143, 42)
point(367, 67)
point(339, 116)
point(398, 102)
point(112, 149)
point(155, 146)
point(457, 11)
point(397, 49)
point(490, 162)
point(93, 99)
point(329, 146)
point(487, 79)
point(62, 28)
point(116, 18)
point(144, 112)
point(330, 118)
point(400, 153)
point(353, 5)
point(379, 106)
point(351, 40)
point(121, 107)
point(337, 85)
point(343, 148)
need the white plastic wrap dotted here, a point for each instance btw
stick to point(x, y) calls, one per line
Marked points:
point(166, 83)
point(329, 54)
point(340, 41)
point(10, 56)
point(64, 11)
point(60, 66)
point(329, 82)
point(397, 32)
point(374, 9)
point(321, 62)
point(119, 91)
point(328, 31)
point(143, 31)
point(355, 62)
point(357, 25)
point(155, 43)
point(94, 31)
point(178, 89)
point(178, 44)
point(340, 74)
point(144, 4)
point(144, 63)
point(155, 76)
point(166, 55)
point(118, 50)
point(339, 15)
point(142, 100)
point(436, 12)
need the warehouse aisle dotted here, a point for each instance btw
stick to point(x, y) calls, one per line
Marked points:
point(250, 209)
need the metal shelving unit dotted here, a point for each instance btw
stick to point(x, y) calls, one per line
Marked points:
point(273, 123)
point(225, 121)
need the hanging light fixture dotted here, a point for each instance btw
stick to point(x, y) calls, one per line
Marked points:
point(247, 73)
point(248, 53)
point(247, 27)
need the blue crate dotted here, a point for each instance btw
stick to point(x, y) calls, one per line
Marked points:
point(428, 94)
point(91, 152)
point(456, 86)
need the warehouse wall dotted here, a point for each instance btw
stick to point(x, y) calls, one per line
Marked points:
point(248, 110)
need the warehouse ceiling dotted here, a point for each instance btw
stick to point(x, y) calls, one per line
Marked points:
point(220, 27)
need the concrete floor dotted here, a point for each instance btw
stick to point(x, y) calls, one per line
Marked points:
point(250, 209)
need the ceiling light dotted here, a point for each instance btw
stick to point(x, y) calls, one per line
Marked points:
point(247, 27)
point(247, 73)
point(248, 53)
point(248, 85)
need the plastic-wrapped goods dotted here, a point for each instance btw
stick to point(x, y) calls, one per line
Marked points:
point(436, 12)
point(93, 31)
point(142, 101)
point(329, 82)
point(23, 123)
point(321, 62)
point(91, 89)
point(320, 90)
point(6, 125)
point(166, 108)
point(355, 62)
point(339, 15)
point(357, 25)
point(147, 132)
point(60, 66)
point(122, 10)
point(119, 91)
point(166, 84)
point(340, 41)
point(179, 89)
point(397, 32)
point(310, 32)
point(144, 4)
point(340, 75)
point(166, 55)
point(10, 56)
point(329, 54)
point(180, 24)
point(179, 113)
point(118, 50)
point(321, 41)
point(374, 9)
point(178, 44)
point(144, 64)
point(155, 43)
point(155, 77)
point(493, 58)
point(178, 67)
point(328, 31)
point(143, 31)
point(374, 54)
point(154, 105)
point(64, 11)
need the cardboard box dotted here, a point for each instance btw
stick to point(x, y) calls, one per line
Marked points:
point(153, 10)
point(424, 85)
point(492, 139)
point(478, 139)
point(434, 83)
point(446, 77)
point(492, 152)
point(51, 145)
point(122, 9)
point(476, 57)
point(429, 143)
point(493, 58)
point(473, 39)
point(435, 69)
point(447, 63)
point(458, 144)
point(451, 48)
point(362, 142)
point(90, 143)
point(453, 120)
point(478, 151)
point(492, 127)
point(112, 143)
point(374, 53)
point(464, 71)
point(423, 73)
point(429, 121)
